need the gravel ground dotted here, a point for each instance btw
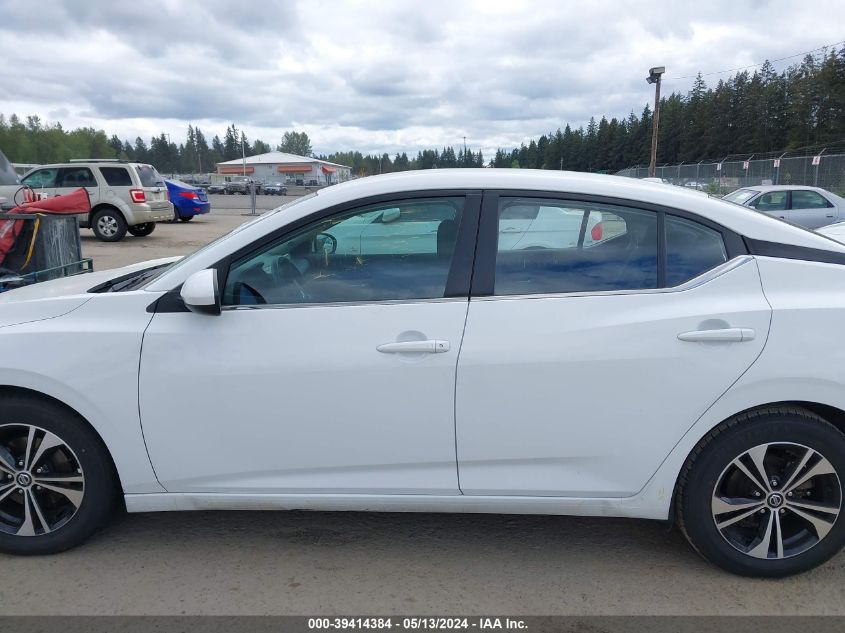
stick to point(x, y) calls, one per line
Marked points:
point(356, 563)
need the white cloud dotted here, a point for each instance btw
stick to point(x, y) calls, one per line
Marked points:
point(376, 76)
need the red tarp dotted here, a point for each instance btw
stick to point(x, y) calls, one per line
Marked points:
point(74, 202)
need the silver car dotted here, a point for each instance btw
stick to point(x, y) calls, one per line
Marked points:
point(125, 197)
point(810, 207)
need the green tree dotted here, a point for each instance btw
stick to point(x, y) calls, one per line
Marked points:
point(295, 143)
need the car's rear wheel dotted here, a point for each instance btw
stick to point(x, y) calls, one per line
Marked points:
point(186, 218)
point(57, 485)
point(108, 225)
point(762, 493)
point(142, 230)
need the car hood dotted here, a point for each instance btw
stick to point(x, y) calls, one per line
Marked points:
point(74, 285)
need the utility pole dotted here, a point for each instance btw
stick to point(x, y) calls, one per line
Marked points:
point(243, 152)
point(465, 152)
point(654, 78)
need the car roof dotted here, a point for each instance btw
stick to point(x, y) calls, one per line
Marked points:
point(782, 188)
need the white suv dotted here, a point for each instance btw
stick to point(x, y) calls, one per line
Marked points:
point(124, 196)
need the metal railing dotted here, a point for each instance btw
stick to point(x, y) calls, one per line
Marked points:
point(721, 177)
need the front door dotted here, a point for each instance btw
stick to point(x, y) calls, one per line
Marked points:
point(810, 209)
point(328, 371)
point(588, 361)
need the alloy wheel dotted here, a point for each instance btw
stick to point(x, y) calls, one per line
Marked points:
point(107, 226)
point(41, 481)
point(776, 500)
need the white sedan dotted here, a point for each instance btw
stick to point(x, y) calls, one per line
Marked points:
point(677, 363)
point(810, 207)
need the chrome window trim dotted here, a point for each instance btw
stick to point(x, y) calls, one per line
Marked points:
point(342, 304)
point(695, 282)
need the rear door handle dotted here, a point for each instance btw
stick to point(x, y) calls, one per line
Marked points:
point(511, 229)
point(727, 335)
point(432, 346)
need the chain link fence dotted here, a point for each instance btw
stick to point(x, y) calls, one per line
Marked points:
point(721, 177)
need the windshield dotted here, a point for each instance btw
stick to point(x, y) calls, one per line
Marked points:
point(7, 172)
point(740, 196)
point(234, 231)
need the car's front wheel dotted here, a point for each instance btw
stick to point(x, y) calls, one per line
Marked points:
point(142, 230)
point(57, 485)
point(108, 225)
point(762, 493)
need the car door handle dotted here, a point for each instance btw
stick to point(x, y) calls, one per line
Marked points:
point(431, 346)
point(511, 229)
point(726, 335)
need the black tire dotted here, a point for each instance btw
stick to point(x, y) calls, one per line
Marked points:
point(108, 225)
point(100, 489)
point(748, 546)
point(186, 218)
point(142, 230)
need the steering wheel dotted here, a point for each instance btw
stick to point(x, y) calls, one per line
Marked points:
point(285, 273)
point(331, 239)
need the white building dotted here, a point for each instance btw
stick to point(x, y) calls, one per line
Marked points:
point(287, 168)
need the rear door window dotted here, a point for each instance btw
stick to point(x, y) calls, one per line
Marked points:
point(808, 200)
point(77, 177)
point(691, 249)
point(573, 246)
point(116, 176)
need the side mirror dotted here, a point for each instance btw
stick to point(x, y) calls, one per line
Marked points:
point(200, 292)
point(390, 215)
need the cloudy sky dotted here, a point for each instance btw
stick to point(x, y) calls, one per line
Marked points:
point(378, 76)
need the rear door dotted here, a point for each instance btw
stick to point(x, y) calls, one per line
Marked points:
point(582, 366)
point(811, 209)
point(72, 178)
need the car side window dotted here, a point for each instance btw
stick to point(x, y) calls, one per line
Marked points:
point(771, 201)
point(42, 179)
point(575, 247)
point(691, 249)
point(116, 176)
point(77, 177)
point(364, 255)
point(808, 200)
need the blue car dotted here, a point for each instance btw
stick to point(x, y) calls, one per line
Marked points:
point(187, 200)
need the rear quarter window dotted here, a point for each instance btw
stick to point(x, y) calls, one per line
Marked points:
point(148, 176)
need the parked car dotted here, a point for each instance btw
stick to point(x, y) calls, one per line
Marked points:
point(214, 189)
point(187, 200)
point(10, 184)
point(276, 189)
point(684, 367)
point(124, 196)
point(242, 186)
point(810, 207)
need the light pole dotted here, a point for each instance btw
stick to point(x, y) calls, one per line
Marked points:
point(654, 78)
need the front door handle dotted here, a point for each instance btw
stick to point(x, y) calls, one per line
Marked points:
point(726, 335)
point(432, 346)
